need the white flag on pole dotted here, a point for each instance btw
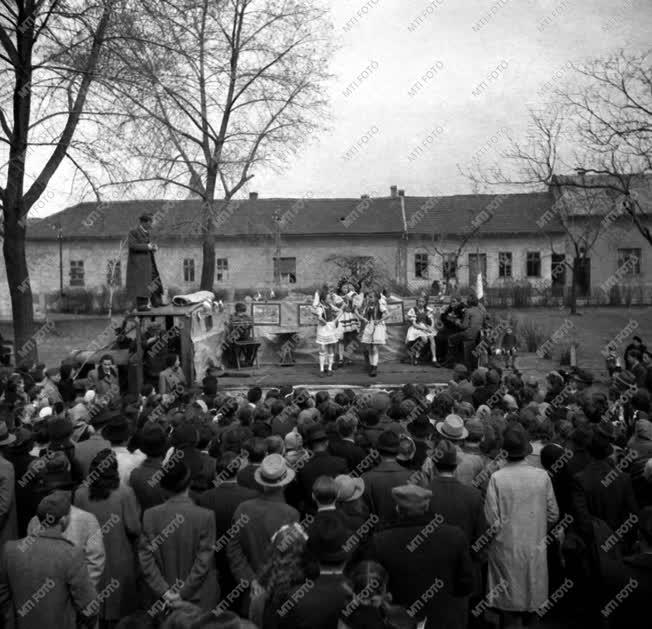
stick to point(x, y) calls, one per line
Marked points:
point(479, 289)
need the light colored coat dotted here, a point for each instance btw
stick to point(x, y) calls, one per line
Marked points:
point(521, 505)
point(84, 532)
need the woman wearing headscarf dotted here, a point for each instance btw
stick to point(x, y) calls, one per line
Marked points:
point(115, 506)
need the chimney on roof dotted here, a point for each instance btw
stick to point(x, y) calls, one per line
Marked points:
point(364, 196)
point(393, 191)
point(401, 193)
point(253, 196)
point(580, 171)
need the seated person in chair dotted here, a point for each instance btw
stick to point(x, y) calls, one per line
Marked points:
point(239, 328)
point(471, 325)
point(421, 331)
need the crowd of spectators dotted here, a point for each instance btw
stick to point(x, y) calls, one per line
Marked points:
point(495, 500)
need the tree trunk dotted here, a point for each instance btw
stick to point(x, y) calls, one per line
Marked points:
point(208, 262)
point(572, 299)
point(208, 232)
point(13, 249)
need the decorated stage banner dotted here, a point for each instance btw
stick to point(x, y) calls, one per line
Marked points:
point(395, 314)
point(266, 314)
point(305, 315)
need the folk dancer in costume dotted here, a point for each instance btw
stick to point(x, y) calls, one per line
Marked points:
point(328, 331)
point(373, 314)
point(422, 330)
point(349, 322)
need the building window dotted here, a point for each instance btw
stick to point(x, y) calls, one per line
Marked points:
point(189, 270)
point(505, 264)
point(76, 272)
point(222, 270)
point(421, 265)
point(629, 260)
point(285, 269)
point(533, 264)
point(449, 266)
point(113, 272)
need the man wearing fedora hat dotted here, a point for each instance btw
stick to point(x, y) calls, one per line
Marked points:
point(388, 474)
point(428, 561)
point(261, 517)
point(322, 463)
point(144, 286)
point(144, 478)
point(322, 598)
point(223, 499)
point(350, 503)
point(177, 544)
point(521, 506)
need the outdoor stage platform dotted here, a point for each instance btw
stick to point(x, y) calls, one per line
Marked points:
point(391, 375)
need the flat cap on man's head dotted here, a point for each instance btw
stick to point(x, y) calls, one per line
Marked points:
point(145, 217)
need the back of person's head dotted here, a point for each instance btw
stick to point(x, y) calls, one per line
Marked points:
point(184, 616)
point(442, 405)
point(146, 390)
point(369, 416)
point(277, 407)
point(256, 449)
point(275, 444)
point(330, 412)
point(478, 378)
point(341, 399)
point(170, 360)
point(137, 620)
point(321, 397)
point(228, 465)
point(254, 395)
point(273, 394)
point(599, 447)
point(325, 490)
point(245, 415)
point(261, 414)
point(346, 425)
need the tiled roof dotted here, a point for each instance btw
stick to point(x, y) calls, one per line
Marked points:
point(497, 214)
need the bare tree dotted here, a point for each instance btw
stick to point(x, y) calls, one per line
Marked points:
point(613, 108)
point(213, 89)
point(50, 54)
point(535, 163)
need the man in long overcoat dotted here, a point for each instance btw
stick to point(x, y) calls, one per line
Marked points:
point(143, 279)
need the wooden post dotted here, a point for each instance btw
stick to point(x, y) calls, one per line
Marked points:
point(187, 357)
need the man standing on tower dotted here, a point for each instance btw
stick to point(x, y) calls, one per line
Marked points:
point(144, 286)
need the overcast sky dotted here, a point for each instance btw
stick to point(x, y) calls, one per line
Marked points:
point(423, 63)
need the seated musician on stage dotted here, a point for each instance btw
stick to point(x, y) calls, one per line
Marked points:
point(471, 325)
point(451, 317)
point(240, 327)
point(421, 331)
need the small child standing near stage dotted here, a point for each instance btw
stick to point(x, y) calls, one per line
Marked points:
point(373, 314)
point(509, 347)
point(328, 331)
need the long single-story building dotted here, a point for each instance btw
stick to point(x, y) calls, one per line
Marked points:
point(264, 243)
